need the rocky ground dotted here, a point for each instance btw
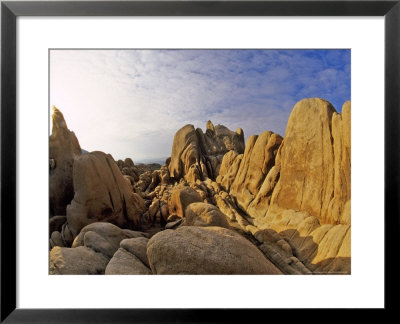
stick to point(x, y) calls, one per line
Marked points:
point(217, 206)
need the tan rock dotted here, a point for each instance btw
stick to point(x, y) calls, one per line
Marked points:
point(341, 133)
point(203, 214)
point(63, 148)
point(164, 211)
point(309, 247)
point(331, 243)
point(217, 140)
point(193, 174)
point(182, 197)
point(205, 250)
point(306, 157)
point(226, 205)
point(258, 160)
point(138, 247)
point(102, 195)
point(125, 263)
point(259, 206)
point(104, 238)
point(79, 261)
point(185, 152)
point(153, 209)
point(98, 243)
point(229, 168)
point(197, 155)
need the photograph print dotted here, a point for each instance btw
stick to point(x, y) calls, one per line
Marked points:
point(200, 161)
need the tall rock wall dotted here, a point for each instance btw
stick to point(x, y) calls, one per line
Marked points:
point(339, 207)
point(314, 162)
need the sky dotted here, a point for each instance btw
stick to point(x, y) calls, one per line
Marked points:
point(130, 103)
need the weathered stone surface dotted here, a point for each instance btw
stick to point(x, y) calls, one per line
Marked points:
point(229, 168)
point(144, 181)
point(185, 152)
point(259, 206)
point(306, 159)
point(331, 244)
point(205, 250)
point(104, 237)
point(203, 214)
point(258, 160)
point(137, 246)
point(56, 239)
point(125, 263)
point(164, 211)
point(182, 197)
point(102, 195)
point(217, 140)
point(98, 243)
point(80, 261)
point(197, 155)
point(284, 261)
point(153, 209)
point(63, 148)
point(341, 133)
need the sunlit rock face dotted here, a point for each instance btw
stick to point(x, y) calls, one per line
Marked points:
point(298, 186)
point(181, 197)
point(197, 155)
point(311, 202)
point(314, 161)
point(63, 148)
point(258, 160)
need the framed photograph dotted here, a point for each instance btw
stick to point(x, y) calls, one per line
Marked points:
point(224, 146)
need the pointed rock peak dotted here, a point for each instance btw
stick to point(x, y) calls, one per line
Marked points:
point(239, 131)
point(58, 119)
point(210, 126)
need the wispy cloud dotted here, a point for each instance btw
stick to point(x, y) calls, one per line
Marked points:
point(131, 102)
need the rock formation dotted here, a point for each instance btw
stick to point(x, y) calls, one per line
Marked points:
point(273, 206)
point(101, 195)
point(306, 160)
point(63, 148)
point(80, 260)
point(205, 250)
point(181, 198)
point(197, 155)
point(203, 214)
point(258, 159)
point(91, 250)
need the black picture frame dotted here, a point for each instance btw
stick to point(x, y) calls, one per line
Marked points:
point(10, 10)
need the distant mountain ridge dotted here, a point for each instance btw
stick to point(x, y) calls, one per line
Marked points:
point(159, 160)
